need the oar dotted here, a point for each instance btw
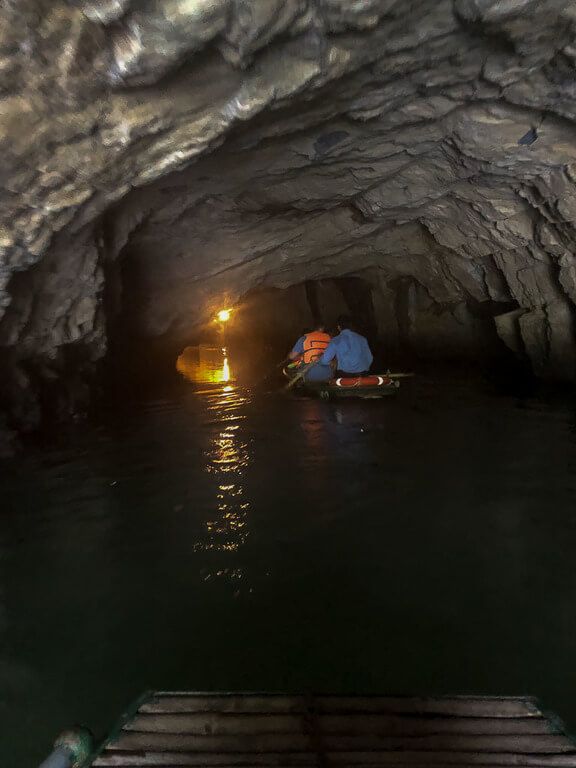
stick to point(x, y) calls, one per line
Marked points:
point(399, 375)
point(301, 373)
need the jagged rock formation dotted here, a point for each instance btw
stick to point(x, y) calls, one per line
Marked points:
point(158, 155)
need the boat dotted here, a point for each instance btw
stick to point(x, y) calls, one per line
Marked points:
point(366, 387)
point(371, 386)
point(243, 730)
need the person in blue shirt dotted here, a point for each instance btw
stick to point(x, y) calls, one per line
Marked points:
point(309, 348)
point(349, 349)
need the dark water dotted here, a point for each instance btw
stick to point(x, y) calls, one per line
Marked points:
point(221, 538)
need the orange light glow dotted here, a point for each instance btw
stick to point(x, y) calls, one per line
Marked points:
point(224, 315)
point(205, 365)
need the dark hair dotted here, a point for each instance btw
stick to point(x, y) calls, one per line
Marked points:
point(344, 321)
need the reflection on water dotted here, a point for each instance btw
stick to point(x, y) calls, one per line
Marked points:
point(205, 365)
point(226, 458)
point(220, 541)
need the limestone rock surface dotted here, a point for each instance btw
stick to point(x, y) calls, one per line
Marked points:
point(160, 155)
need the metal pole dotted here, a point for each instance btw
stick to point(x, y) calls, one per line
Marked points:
point(71, 749)
point(60, 758)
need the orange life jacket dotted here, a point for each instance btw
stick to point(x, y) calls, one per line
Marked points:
point(314, 345)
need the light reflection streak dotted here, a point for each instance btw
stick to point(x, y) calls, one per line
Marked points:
point(226, 371)
point(226, 460)
point(205, 365)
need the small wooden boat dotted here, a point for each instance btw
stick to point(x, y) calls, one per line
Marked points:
point(368, 387)
point(291, 731)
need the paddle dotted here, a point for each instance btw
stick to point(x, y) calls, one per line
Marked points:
point(399, 375)
point(301, 373)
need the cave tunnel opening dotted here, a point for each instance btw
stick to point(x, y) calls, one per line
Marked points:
point(407, 327)
point(259, 330)
point(275, 246)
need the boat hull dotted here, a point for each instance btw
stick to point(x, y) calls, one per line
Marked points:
point(364, 387)
point(330, 390)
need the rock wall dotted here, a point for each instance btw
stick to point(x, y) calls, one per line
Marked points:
point(160, 156)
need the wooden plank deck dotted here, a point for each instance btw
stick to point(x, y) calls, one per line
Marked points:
point(278, 731)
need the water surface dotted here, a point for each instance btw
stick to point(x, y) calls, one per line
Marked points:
point(223, 538)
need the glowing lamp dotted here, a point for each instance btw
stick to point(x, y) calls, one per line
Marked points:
point(224, 315)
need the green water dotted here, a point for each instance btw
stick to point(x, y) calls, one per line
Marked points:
point(222, 538)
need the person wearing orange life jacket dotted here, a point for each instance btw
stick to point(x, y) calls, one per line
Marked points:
point(311, 347)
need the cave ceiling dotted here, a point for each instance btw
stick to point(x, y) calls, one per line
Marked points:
point(222, 145)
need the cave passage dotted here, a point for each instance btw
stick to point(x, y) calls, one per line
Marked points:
point(171, 518)
point(407, 330)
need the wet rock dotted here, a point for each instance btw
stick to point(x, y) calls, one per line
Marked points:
point(159, 156)
point(508, 328)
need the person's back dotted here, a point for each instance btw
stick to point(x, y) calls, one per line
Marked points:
point(314, 345)
point(350, 350)
point(310, 348)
